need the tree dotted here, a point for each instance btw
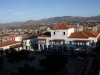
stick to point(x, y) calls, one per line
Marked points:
point(54, 62)
point(17, 55)
point(97, 49)
point(28, 70)
point(1, 62)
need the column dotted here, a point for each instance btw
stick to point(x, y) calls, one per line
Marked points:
point(31, 48)
point(27, 47)
point(16, 49)
point(20, 48)
point(47, 47)
point(43, 47)
point(38, 46)
point(24, 47)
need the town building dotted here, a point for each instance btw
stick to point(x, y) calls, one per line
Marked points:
point(8, 42)
point(62, 38)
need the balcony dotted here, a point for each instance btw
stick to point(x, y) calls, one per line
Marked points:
point(41, 42)
point(57, 43)
point(81, 44)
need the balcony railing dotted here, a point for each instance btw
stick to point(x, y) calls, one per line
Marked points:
point(41, 42)
point(56, 43)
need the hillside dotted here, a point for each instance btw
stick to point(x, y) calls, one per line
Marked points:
point(53, 20)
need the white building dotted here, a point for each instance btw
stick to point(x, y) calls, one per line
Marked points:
point(29, 44)
point(18, 38)
point(62, 38)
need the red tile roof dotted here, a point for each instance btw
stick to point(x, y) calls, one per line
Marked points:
point(98, 37)
point(62, 26)
point(78, 35)
point(84, 34)
point(9, 43)
point(82, 40)
point(59, 39)
point(92, 33)
point(46, 34)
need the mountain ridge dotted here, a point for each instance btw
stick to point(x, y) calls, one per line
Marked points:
point(53, 20)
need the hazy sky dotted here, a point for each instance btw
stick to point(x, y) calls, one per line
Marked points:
point(23, 10)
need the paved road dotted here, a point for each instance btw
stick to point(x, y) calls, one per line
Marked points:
point(73, 67)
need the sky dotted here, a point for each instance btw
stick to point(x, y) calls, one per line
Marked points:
point(23, 10)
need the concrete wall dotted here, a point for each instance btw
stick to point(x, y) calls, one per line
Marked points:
point(59, 34)
point(18, 38)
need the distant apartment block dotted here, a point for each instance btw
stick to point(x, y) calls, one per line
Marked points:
point(88, 28)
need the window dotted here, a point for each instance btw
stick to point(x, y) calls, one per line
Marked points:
point(38, 41)
point(63, 33)
point(50, 41)
point(31, 41)
point(80, 43)
point(76, 43)
point(85, 43)
point(92, 41)
point(42, 41)
point(54, 33)
point(57, 42)
point(70, 42)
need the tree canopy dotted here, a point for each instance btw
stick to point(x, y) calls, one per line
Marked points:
point(17, 55)
point(28, 70)
point(54, 62)
point(1, 62)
